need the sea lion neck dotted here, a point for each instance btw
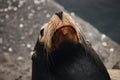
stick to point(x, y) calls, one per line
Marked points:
point(68, 47)
point(65, 55)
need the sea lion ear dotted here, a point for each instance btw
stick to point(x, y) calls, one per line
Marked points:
point(38, 49)
point(34, 55)
point(38, 46)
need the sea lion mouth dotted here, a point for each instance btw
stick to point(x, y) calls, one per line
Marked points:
point(64, 34)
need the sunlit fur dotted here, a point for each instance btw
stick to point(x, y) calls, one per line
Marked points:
point(54, 24)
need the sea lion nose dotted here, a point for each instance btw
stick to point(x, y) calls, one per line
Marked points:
point(60, 14)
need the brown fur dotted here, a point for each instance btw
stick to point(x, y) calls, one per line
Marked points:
point(56, 23)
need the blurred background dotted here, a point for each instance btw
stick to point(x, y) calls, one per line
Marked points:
point(21, 20)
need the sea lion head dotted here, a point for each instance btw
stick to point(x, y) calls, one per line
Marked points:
point(60, 28)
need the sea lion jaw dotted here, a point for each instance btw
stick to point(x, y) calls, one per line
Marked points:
point(72, 32)
point(64, 34)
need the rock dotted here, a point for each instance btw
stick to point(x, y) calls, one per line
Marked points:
point(3, 59)
point(1, 40)
point(20, 58)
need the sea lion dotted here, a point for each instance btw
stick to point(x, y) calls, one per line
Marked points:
point(62, 53)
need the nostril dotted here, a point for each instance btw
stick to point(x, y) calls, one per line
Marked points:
point(60, 14)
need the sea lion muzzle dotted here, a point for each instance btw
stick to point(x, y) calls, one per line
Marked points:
point(63, 34)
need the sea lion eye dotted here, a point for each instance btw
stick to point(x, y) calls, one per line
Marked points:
point(41, 32)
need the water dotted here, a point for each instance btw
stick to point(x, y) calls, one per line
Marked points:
point(103, 14)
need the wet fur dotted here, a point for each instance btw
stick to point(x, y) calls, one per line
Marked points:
point(70, 62)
